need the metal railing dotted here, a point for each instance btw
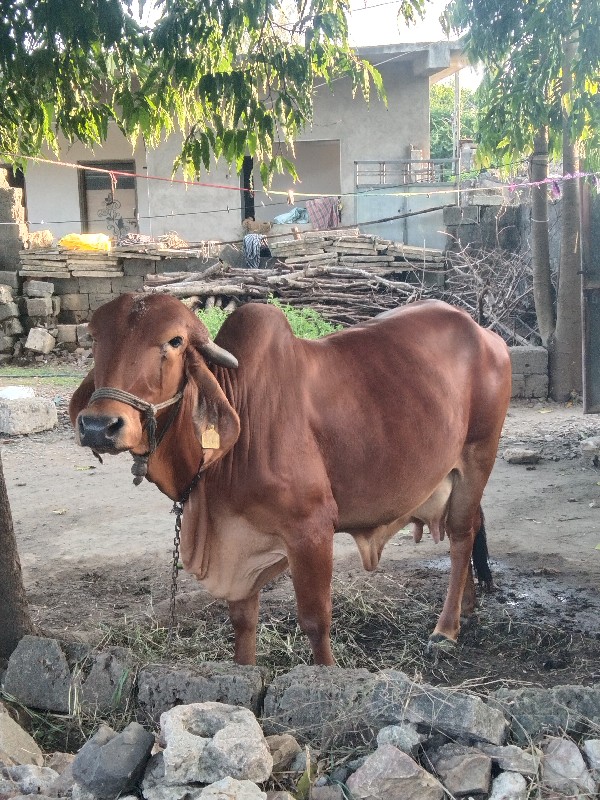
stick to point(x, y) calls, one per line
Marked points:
point(405, 172)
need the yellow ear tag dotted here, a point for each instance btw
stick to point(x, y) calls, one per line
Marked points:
point(211, 439)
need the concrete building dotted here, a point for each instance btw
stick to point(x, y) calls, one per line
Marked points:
point(374, 156)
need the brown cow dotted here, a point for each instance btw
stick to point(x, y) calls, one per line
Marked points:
point(391, 421)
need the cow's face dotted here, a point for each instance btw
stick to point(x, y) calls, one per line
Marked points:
point(151, 347)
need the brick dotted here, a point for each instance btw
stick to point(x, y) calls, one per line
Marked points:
point(40, 341)
point(97, 300)
point(536, 386)
point(12, 327)
point(7, 344)
point(139, 266)
point(95, 285)
point(83, 337)
point(75, 302)
point(6, 294)
point(9, 278)
point(67, 334)
point(73, 317)
point(28, 415)
point(33, 288)
point(55, 306)
point(66, 286)
point(132, 283)
point(39, 306)
point(529, 360)
point(8, 310)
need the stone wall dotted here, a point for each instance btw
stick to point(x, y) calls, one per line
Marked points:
point(529, 372)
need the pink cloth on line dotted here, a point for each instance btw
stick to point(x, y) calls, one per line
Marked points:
point(323, 212)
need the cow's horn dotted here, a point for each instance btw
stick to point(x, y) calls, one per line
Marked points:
point(217, 355)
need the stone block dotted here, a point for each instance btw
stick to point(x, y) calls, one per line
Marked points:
point(83, 336)
point(109, 683)
point(7, 343)
point(95, 285)
point(16, 745)
point(390, 774)
point(39, 307)
point(75, 302)
point(462, 770)
point(131, 283)
point(564, 768)
point(536, 386)
point(162, 687)
point(30, 415)
point(284, 749)
point(30, 779)
point(33, 288)
point(74, 317)
point(67, 334)
point(55, 306)
point(12, 327)
point(529, 360)
point(509, 786)
point(8, 311)
point(139, 266)
point(97, 300)
point(513, 759)
point(6, 293)
point(39, 340)
point(64, 286)
point(10, 278)
point(39, 673)
point(111, 764)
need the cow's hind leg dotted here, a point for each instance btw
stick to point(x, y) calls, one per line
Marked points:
point(244, 618)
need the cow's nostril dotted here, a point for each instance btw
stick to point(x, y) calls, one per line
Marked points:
point(114, 426)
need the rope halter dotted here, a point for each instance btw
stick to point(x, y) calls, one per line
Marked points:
point(140, 462)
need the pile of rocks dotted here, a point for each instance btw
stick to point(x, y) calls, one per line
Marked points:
point(417, 742)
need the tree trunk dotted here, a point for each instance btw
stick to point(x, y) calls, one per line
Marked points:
point(543, 293)
point(565, 346)
point(15, 621)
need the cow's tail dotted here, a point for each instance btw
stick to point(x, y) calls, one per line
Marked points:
point(481, 557)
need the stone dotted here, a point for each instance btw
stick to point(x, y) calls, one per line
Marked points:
point(403, 736)
point(161, 687)
point(7, 344)
point(535, 386)
point(111, 764)
point(33, 288)
point(509, 786)
point(8, 311)
point(6, 294)
point(327, 792)
point(154, 787)
point(232, 789)
point(534, 711)
point(40, 341)
point(563, 767)
point(29, 415)
point(462, 770)
point(529, 360)
point(83, 335)
point(75, 302)
point(9, 278)
point(12, 327)
point(398, 699)
point(55, 306)
point(39, 306)
point(109, 684)
point(64, 286)
point(513, 759)
point(100, 299)
point(521, 455)
point(16, 745)
point(205, 742)
point(67, 334)
point(284, 749)
point(30, 778)
point(591, 750)
point(38, 675)
point(390, 774)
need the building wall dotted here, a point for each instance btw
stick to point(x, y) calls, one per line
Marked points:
point(52, 191)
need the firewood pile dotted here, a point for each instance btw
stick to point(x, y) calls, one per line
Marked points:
point(346, 277)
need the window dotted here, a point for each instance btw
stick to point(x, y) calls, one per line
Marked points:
point(106, 207)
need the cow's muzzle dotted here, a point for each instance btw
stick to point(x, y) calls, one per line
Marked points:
point(100, 432)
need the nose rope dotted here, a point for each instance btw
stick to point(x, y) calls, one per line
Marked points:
point(140, 462)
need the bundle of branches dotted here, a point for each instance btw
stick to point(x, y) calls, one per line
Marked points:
point(496, 288)
point(343, 295)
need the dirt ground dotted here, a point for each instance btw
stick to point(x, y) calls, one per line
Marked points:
point(96, 552)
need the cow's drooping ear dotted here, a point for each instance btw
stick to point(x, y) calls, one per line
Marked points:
point(215, 420)
point(81, 396)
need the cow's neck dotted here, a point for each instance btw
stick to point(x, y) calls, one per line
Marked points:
point(174, 465)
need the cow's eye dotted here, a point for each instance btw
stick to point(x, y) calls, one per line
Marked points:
point(176, 341)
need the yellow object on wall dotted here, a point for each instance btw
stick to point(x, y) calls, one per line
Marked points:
point(91, 242)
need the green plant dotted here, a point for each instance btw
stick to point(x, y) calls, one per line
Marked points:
point(306, 323)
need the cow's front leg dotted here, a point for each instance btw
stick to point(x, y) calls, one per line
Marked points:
point(311, 565)
point(244, 618)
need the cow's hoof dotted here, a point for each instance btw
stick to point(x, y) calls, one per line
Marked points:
point(438, 643)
